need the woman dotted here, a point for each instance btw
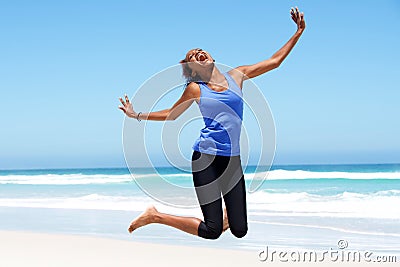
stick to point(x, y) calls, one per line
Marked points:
point(216, 164)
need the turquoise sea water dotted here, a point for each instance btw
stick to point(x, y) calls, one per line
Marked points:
point(303, 206)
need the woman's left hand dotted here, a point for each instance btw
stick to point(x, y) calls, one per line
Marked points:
point(298, 18)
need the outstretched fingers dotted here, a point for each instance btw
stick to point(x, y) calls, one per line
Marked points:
point(297, 16)
point(126, 100)
point(122, 101)
point(294, 14)
point(123, 107)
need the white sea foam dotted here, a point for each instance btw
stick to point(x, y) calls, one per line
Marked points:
point(382, 204)
point(67, 179)
point(94, 202)
point(79, 178)
point(300, 174)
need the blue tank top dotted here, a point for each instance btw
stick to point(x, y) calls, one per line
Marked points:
point(222, 114)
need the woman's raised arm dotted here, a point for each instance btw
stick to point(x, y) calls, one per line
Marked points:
point(251, 71)
point(184, 102)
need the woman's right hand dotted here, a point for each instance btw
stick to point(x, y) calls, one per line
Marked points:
point(127, 107)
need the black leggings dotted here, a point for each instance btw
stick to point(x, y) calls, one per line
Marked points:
point(213, 175)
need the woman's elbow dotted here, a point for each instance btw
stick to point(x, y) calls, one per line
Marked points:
point(171, 116)
point(275, 63)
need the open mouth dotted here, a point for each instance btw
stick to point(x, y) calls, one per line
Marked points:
point(201, 56)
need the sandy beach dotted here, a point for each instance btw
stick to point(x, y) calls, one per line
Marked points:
point(36, 249)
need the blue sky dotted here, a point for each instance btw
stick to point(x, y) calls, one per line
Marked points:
point(64, 64)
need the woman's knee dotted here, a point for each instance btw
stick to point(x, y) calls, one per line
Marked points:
point(210, 230)
point(239, 232)
point(214, 233)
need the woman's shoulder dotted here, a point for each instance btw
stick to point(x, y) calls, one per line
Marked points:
point(237, 76)
point(193, 86)
point(193, 89)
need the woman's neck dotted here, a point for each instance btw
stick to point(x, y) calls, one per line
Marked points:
point(215, 77)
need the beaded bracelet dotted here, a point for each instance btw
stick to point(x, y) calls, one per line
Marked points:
point(137, 117)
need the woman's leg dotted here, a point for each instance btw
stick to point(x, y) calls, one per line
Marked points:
point(187, 224)
point(234, 193)
point(213, 225)
point(235, 201)
point(151, 215)
point(225, 224)
point(205, 175)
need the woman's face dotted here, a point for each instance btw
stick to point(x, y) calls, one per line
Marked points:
point(199, 57)
point(199, 61)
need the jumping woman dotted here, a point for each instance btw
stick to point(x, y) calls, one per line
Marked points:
point(216, 164)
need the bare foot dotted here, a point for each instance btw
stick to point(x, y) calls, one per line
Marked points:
point(143, 219)
point(225, 225)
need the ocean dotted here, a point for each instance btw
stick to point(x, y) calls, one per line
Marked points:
point(296, 207)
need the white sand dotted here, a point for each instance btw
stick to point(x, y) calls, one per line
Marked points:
point(34, 249)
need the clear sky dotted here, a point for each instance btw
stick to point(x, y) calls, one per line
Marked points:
point(63, 65)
